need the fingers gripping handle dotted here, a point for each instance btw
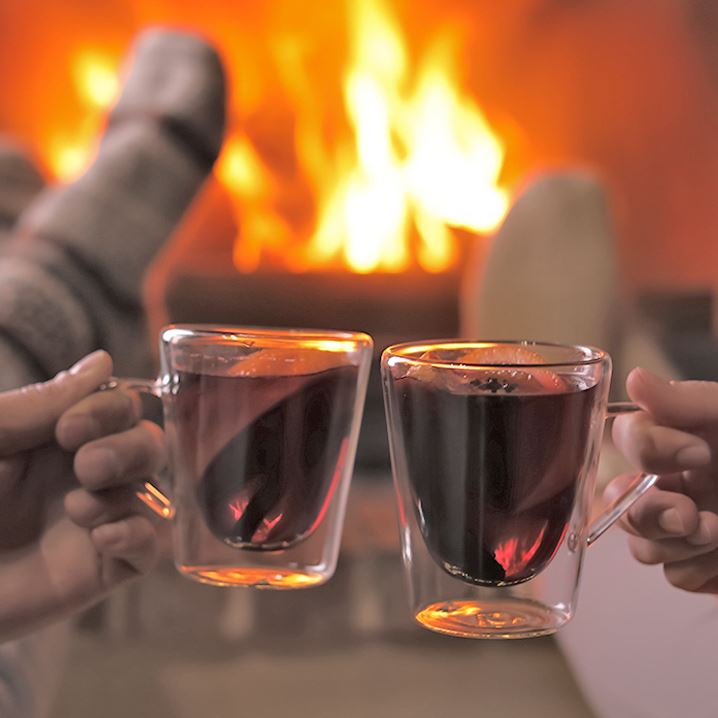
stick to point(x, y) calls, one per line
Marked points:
point(146, 491)
point(639, 487)
point(618, 508)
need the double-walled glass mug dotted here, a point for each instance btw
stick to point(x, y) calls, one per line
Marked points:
point(494, 449)
point(262, 427)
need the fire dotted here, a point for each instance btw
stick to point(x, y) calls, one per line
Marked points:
point(96, 85)
point(96, 79)
point(68, 159)
point(410, 160)
point(414, 165)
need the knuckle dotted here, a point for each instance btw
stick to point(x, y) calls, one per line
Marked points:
point(123, 535)
point(80, 501)
point(156, 443)
point(147, 447)
point(111, 412)
point(640, 515)
point(677, 578)
point(688, 576)
point(710, 527)
point(137, 450)
point(92, 469)
point(115, 412)
point(689, 513)
point(73, 503)
point(140, 532)
point(130, 408)
point(625, 524)
point(646, 552)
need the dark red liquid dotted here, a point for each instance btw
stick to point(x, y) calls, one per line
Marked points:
point(268, 451)
point(493, 474)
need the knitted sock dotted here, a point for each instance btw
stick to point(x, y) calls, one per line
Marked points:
point(71, 281)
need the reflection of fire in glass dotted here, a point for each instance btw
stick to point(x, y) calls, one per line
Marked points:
point(236, 511)
point(494, 490)
point(513, 554)
point(236, 508)
point(271, 478)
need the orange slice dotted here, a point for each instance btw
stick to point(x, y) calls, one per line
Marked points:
point(510, 370)
point(283, 362)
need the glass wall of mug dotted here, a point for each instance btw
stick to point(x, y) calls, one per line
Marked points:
point(494, 453)
point(262, 427)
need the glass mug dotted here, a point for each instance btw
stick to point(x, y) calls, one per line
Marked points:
point(262, 428)
point(494, 449)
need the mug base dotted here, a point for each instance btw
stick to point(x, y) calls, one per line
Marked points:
point(505, 618)
point(251, 576)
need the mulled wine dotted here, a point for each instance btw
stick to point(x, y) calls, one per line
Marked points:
point(267, 451)
point(493, 466)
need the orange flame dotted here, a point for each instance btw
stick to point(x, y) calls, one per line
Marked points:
point(95, 77)
point(414, 166)
point(96, 85)
point(415, 161)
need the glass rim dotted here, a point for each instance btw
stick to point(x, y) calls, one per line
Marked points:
point(247, 333)
point(585, 354)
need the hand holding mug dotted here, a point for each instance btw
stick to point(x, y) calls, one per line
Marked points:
point(62, 442)
point(494, 453)
point(676, 436)
point(262, 427)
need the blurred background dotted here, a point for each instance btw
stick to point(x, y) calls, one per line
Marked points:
point(372, 152)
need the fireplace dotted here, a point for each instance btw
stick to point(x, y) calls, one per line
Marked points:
point(373, 149)
point(374, 145)
point(334, 110)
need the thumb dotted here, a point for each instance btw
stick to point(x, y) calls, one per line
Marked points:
point(678, 404)
point(28, 415)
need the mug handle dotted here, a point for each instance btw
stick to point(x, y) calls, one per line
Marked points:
point(642, 483)
point(146, 491)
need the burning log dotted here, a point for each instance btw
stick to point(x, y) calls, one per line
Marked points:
point(71, 278)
